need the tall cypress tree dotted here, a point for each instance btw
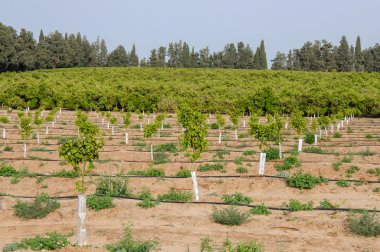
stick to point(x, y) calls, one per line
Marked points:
point(161, 56)
point(186, 59)
point(153, 61)
point(118, 57)
point(263, 56)
point(358, 55)
point(133, 59)
point(256, 59)
point(103, 53)
point(343, 57)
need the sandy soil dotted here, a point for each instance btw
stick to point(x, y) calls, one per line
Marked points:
point(180, 227)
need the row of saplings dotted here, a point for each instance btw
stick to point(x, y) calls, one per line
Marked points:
point(80, 152)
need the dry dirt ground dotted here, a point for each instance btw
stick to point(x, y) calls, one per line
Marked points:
point(180, 227)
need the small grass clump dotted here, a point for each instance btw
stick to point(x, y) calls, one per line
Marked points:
point(8, 148)
point(214, 126)
point(260, 209)
point(155, 172)
point(337, 135)
point(128, 244)
point(375, 171)
point(349, 130)
point(313, 149)
point(112, 186)
point(161, 158)
point(366, 153)
point(364, 224)
point(7, 171)
point(98, 203)
point(325, 204)
point(296, 205)
point(41, 206)
point(304, 180)
point(249, 153)
point(236, 198)
point(351, 171)
point(211, 167)
point(241, 169)
point(239, 160)
point(183, 173)
point(219, 153)
point(246, 246)
point(66, 174)
point(289, 163)
point(346, 159)
point(175, 195)
point(309, 137)
point(147, 200)
point(336, 165)
point(272, 153)
point(343, 183)
point(167, 147)
point(230, 216)
point(51, 241)
point(369, 136)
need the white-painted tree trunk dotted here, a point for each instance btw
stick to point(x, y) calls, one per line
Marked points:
point(315, 139)
point(47, 130)
point(236, 134)
point(300, 141)
point(195, 185)
point(81, 220)
point(244, 123)
point(280, 150)
point(262, 163)
point(112, 131)
point(126, 138)
point(286, 125)
point(4, 135)
point(108, 125)
point(326, 131)
point(332, 128)
point(38, 137)
point(220, 137)
point(24, 150)
point(141, 128)
point(151, 151)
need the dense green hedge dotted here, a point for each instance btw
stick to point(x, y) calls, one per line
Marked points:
point(210, 90)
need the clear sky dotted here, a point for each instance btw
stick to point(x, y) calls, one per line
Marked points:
point(283, 24)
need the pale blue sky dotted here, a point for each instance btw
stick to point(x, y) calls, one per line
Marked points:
point(282, 24)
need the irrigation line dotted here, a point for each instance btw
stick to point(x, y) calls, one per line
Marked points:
point(201, 203)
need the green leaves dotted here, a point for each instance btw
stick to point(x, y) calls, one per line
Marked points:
point(266, 132)
point(26, 128)
point(150, 129)
point(298, 122)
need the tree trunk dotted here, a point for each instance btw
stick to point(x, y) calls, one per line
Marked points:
point(81, 219)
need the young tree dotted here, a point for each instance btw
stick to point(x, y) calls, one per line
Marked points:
point(150, 130)
point(299, 123)
point(26, 130)
point(221, 122)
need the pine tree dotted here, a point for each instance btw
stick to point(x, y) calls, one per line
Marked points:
point(161, 56)
point(256, 59)
point(358, 56)
point(103, 53)
point(343, 56)
point(118, 57)
point(279, 62)
point(186, 59)
point(289, 61)
point(230, 57)
point(134, 59)
point(153, 60)
point(263, 56)
point(26, 51)
point(204, 57)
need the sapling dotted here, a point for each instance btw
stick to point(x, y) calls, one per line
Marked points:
point(300, 125)
point(193, 140)
point(221, 122)
point(4, 120)
point(126, 122)
point(80, 152)
point(149, 130)
point(235, 121)
point(26, 130)
point(113, 121)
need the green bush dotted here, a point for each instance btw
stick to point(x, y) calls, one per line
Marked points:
point(51, 241)
point(7, 171)
point(249, 246)
point(128, 244)
point(304, 180)
point(147, 200)
point(309, 138)
point(347, 159)
point(183, 173)
point(260, 209)
point(343, 183)
point(112, 186)
point(375, 171)
point(219, 153)
point(98, 203)
point(369, 136)
point(241, 169)
point(41, 206)
point(176, 195)
point(211, 167)
point(365, 224)
point(230, 216)
point(236, 198)
point(239, 160)
point(336, 165)
point(272, 153)
point(161, 158)
point(296, 205)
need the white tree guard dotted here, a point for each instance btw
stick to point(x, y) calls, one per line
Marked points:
point(126, 137)
point(220, 137)
point(81, 220)
point(38, 137)
point(4, 135)
point(24, 150)
point(280, 151)
point(47, 130)
point(151, 151)
point(195, 185)
point(315, 139)
point(300, 141)
point(236, 134)
point(262, 163)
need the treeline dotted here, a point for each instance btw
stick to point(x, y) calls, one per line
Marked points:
point(324, 56)
point(21, 52)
